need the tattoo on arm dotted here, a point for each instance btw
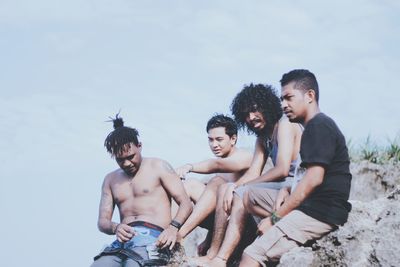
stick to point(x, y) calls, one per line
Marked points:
point(106, 211)
point(169, 168)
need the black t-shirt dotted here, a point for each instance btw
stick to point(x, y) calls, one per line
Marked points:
point(323, 144)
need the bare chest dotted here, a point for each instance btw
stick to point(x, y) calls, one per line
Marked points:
point(137, 188)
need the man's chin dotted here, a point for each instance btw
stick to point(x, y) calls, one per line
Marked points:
point(130, 173)
point(258, 131)
point(294, 119)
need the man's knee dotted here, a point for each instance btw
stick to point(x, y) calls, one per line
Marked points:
point(237, 204)
point(215, 182)
point(221, 190)
point(246, 202)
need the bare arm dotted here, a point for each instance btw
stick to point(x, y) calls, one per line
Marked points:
point(287, 146)
point(239, 161)
point(256, 166)
point(313, 177)
point(106, 209)
point(175, 189)
point(253, 172)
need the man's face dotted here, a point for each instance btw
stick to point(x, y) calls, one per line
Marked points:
point(130, 158)
point(255, 121)
point(220, 143)
point(294, 103)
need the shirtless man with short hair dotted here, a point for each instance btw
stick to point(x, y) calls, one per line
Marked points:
point(229, 165)
point(141, 188)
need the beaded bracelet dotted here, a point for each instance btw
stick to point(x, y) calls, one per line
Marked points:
point(274, 218)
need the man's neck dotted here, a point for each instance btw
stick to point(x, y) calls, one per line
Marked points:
point(230, 152)
point(314, 110)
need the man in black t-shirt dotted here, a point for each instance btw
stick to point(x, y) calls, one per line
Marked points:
point(319, 202)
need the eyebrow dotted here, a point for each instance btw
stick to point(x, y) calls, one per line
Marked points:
point(285, 96)
point(124, 158)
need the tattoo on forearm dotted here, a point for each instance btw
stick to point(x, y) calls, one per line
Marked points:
point(106, 205)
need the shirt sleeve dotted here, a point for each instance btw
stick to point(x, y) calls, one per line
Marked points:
point(317, 145)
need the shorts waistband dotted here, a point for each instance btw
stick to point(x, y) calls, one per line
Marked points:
point(146, 224)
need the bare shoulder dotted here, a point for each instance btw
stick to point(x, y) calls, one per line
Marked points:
point(243, 152)
point(285, 125)
point(112, 176)
point(160, 165)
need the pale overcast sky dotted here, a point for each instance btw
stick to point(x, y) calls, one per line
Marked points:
point(168, 65)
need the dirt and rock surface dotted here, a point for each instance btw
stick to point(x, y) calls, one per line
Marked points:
point(371, 237)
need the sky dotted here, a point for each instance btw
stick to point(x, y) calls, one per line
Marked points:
point(168, 66)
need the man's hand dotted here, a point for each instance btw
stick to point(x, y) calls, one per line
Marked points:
point(264, 225)
point(168, 237)
point(228, 197)
point(124, 232)
point(183, 170)
point(281, 197)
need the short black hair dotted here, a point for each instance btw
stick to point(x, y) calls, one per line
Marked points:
point(122, 136)
point(220, 120)
point(304, 80)
point(261, 98)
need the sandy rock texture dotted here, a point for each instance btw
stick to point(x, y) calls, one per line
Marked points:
point(371, 237)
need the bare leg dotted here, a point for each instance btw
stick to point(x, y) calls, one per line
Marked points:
point(233, 234)
point(204, 207)
point(248, 261)
point(220, 224)
point(194, 188)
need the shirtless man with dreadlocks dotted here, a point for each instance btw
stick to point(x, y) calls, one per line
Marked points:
point(142, 189)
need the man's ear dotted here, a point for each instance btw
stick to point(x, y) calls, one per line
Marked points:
point(233, 139)
point(139, 145)
point(310, 96)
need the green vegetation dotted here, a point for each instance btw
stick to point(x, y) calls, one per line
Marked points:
point(372, 152)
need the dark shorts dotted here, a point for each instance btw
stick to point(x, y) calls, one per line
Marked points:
point(141, 248)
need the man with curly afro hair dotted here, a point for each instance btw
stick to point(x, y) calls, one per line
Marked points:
point(257, 109)
point(319, 202)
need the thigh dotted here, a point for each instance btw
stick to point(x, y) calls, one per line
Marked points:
point(262, 196)
point(107, 261)
point(270, 246)
point(194, 188)
point(301, 227)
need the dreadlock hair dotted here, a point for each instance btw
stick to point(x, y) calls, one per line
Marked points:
point(118, 140)
point(220, 120)
point(261, 98)
point(304, 80)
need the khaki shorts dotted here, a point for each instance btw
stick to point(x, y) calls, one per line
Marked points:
point(293, 230)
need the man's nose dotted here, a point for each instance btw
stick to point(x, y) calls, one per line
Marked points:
point(126, 163)
point(283, 104)
point(251, 116)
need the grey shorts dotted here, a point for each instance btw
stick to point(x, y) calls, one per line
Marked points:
point(287, 182)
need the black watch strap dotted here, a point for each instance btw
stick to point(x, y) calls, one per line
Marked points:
point(176, 224)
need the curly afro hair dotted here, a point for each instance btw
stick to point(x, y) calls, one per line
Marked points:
point(261, 98)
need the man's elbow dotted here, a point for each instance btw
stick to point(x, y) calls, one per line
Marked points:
point(101, 226)
point(283, 171)
point(189, 206)
point(218, 165)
